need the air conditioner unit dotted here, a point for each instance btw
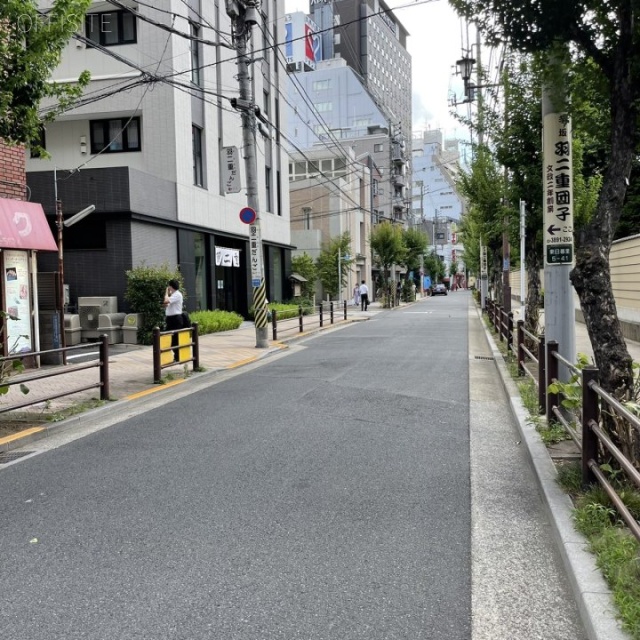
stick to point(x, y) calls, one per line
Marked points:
point(89, 316)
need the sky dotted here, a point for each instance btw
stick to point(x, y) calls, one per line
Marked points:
point(434, 44)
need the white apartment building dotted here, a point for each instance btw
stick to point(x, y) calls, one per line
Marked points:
point(156, 146)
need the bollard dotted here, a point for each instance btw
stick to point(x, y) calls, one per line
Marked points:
point(552, 374)
point(331, 312)
point(590, 413)
point(300, 318)
point(510, 332)
point(320, 313)
point(274, 324)
point(195, 338)
point(520, 348)
point(542, 374)
point(104, 367)
point(344, 304)
point(157, 369)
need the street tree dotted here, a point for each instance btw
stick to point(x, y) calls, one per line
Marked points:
point(415, 244)
point(305, 266)
point(603, 36)
point(31, 44)
point(332, 256)
point(387, 246)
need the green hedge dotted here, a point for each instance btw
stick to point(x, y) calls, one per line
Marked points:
point(214, 321)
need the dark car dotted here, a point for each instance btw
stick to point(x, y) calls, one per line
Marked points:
point(440, 290)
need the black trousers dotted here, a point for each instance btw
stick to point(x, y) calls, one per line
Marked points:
point(173, 323)
point(364, 301)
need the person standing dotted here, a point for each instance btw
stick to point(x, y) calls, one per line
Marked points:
point(173, 313)
point(356, 295)
point(364, 296)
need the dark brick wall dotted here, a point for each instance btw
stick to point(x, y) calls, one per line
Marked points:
point(12, 172)
point(97, 273)
point(107, 189)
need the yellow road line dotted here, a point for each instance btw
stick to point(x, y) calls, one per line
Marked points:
point(20, 434)
point(147, 392)
point(241, 362)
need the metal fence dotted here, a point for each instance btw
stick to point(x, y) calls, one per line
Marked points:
point(102, 364)
point(183, 343)
point(597, 448)
point(324, 313)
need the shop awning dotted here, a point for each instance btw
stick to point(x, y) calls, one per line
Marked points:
point(23, 225)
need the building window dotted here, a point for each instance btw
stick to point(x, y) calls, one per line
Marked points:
point(324, 106)
point(321, 85)
point(115, 135)
point(196, 136)
point(195, 55)
point(111, 28)
point(378, 147)
point(267, 183)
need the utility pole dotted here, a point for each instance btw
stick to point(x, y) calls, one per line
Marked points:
point(244, 15)
point(559, 312)
point(522, 258)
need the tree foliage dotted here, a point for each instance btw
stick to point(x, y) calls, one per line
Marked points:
point(305, 266)
point(415, 244)
point(31, 43)
point(328, 260)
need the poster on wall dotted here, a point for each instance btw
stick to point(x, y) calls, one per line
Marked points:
point(17, 296)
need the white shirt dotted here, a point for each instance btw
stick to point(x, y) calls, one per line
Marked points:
point(364, 289)
point(174, 308)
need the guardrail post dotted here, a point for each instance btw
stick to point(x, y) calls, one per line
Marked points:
point(195, 338)
point(274, 324)
point(331, 312)
point(320, 313)
point(104, 367)
point(500, 322)
point(300, 318)
point(590, 412)
point(344, 304)
point(552, 374)
point(157, 369)
point(510, 332)
point(520, 343)
point(542, 374)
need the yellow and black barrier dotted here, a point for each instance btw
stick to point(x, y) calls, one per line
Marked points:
point(175, 347)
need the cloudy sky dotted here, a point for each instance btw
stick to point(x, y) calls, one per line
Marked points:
point(435, 43)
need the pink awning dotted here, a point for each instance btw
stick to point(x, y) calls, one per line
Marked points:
point(23, 225)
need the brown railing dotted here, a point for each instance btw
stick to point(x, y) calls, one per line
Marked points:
point(325, 312)
point(102, 364)
point(159, 349)
point(596, 446)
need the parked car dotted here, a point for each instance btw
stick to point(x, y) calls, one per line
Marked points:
point(440, 290)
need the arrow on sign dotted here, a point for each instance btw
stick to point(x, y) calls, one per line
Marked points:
point(552, 229)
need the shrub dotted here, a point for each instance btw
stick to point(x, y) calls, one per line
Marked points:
point(214, 321)
point(146, 287)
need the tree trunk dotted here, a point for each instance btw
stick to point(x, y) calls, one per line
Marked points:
point(591, 276)
point(532, 322)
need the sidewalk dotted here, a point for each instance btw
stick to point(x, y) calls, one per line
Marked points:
point(131, 375)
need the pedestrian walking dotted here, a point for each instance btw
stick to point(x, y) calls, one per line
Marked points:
point(364, 296)
point(173, 313)
point(356, 295)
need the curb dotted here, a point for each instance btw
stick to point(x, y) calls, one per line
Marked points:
point(592, 595)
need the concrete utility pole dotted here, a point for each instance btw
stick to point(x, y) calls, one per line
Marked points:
point(522, 259)
point(559, 312)
point(244, 15)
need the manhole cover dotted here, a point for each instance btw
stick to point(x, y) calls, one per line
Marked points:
point(10, 456)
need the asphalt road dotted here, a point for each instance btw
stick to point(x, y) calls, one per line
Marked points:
point(323, 495)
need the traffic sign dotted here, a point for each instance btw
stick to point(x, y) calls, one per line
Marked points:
point(247, 215)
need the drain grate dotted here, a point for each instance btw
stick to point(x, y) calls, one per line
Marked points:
point(10, 456)
point(483, 357)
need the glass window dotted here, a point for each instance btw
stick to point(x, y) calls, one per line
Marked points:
point(324, 106)
point(196, 136)
point(115, 135)
point(267, 183)
point(195, 55)
point(111, 28)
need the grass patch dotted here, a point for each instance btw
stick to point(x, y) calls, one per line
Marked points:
point(75, 409)
point(552, 433)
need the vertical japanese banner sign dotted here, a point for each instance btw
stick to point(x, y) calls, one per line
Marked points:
point(558, 189)
point(18, 300)
point(484, 273)
point(255, 248)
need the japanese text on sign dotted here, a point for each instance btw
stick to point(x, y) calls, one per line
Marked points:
point(255, 251)
point(558, 189)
